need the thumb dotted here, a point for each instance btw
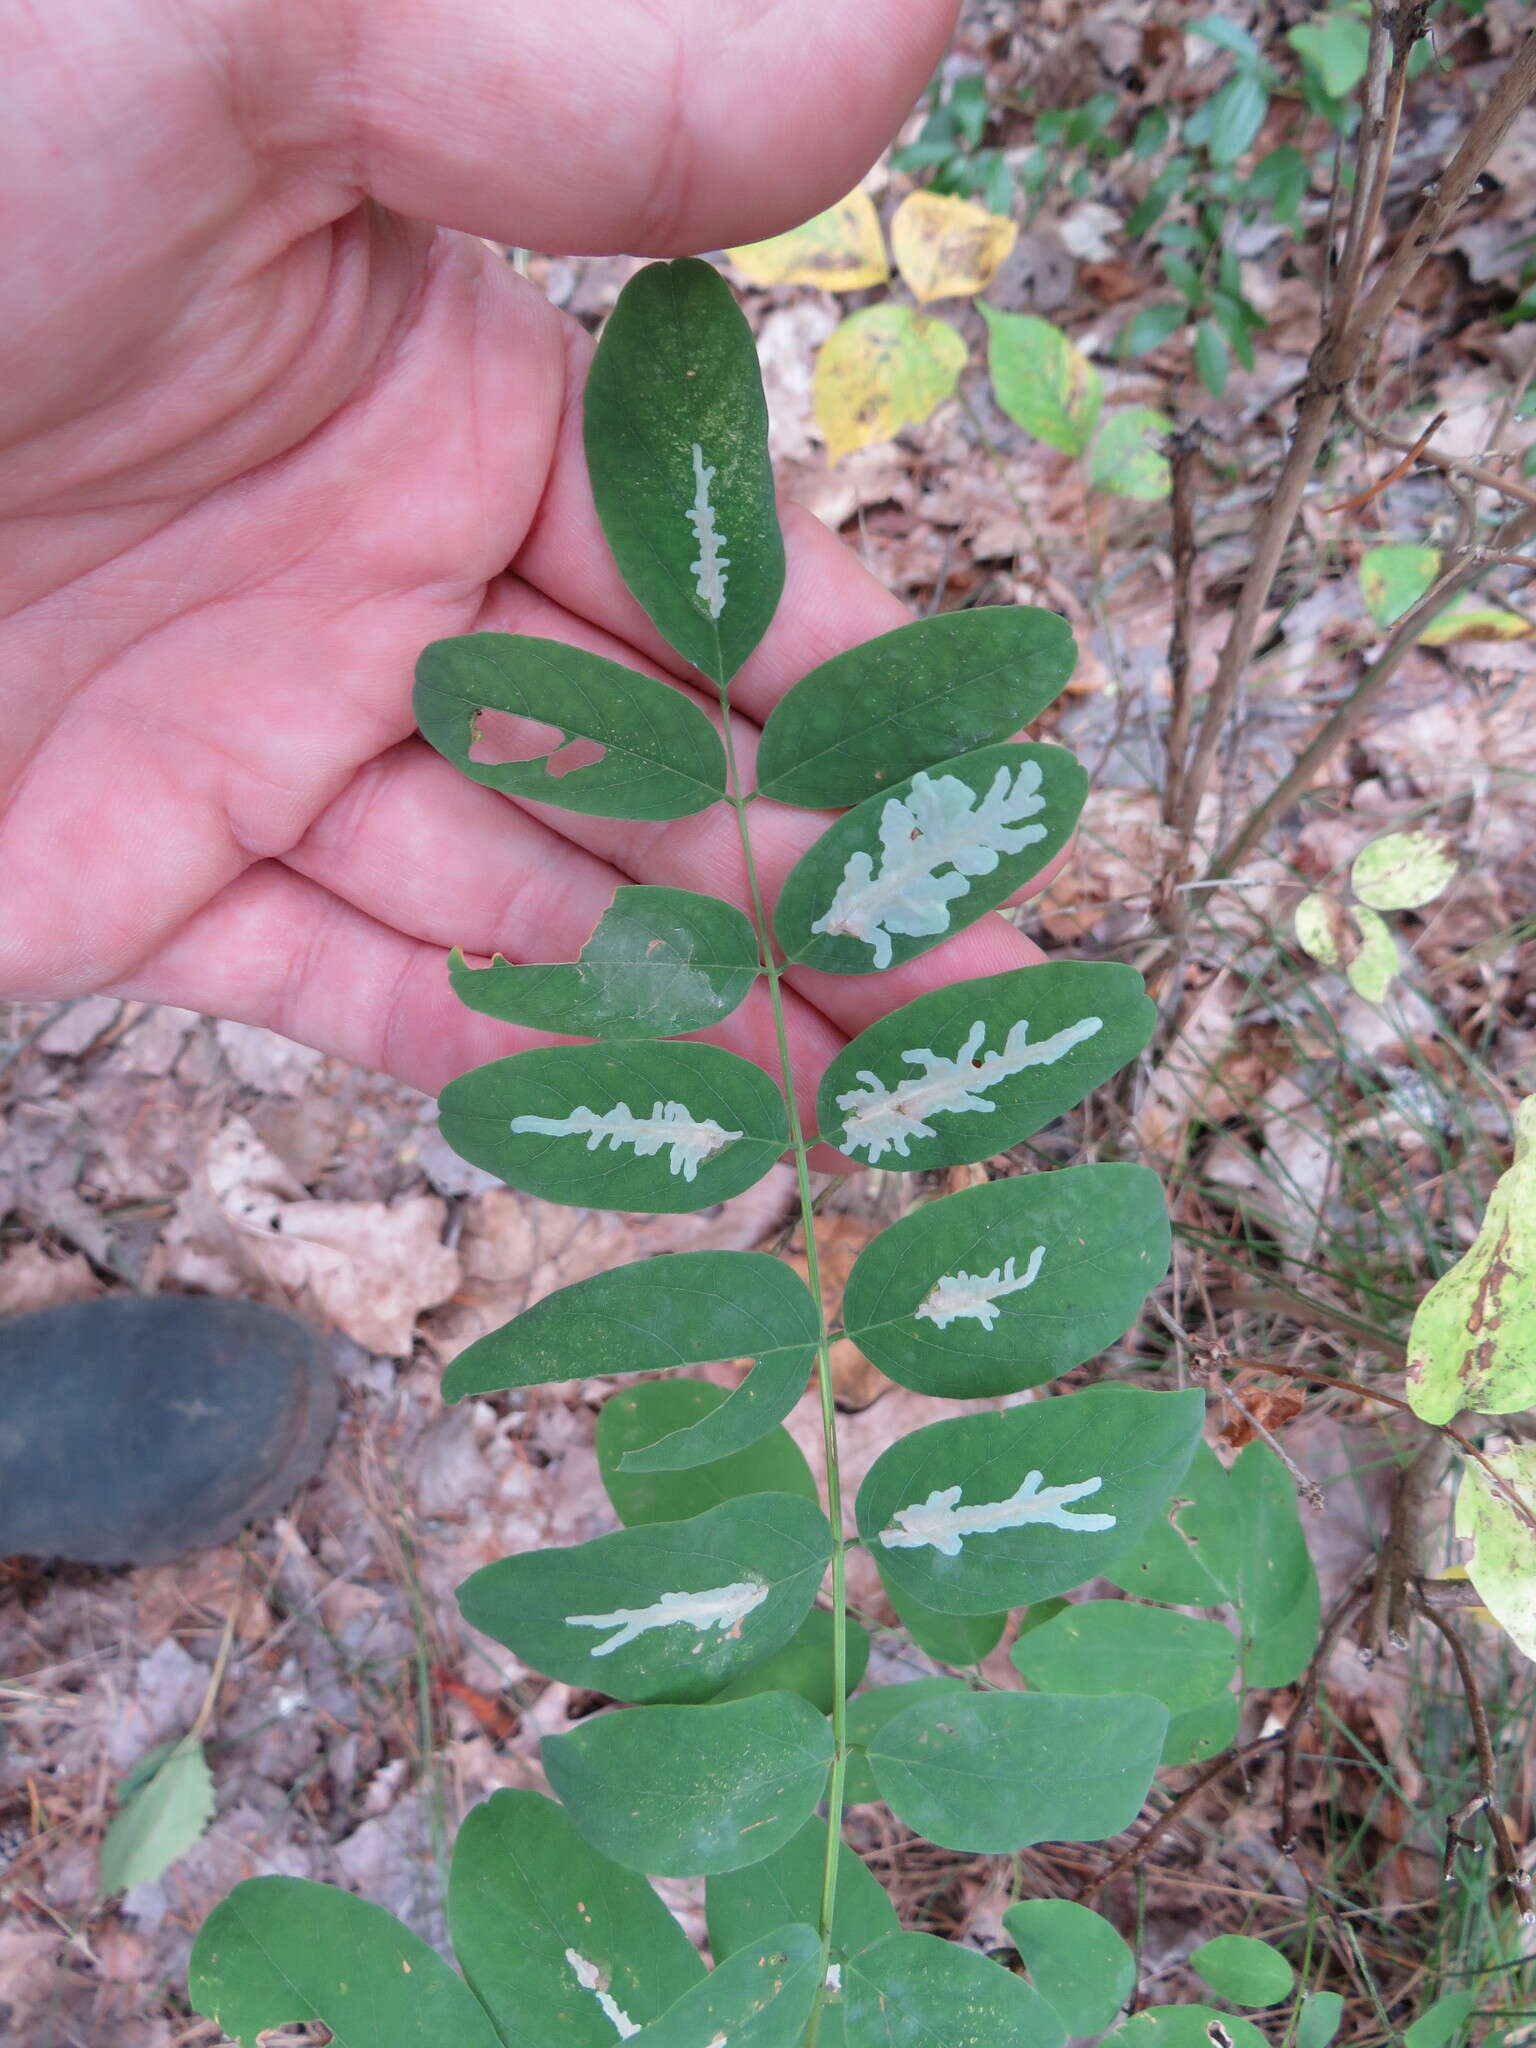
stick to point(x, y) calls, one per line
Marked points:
point(592, 126)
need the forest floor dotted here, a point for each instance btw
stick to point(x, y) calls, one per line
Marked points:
point(1327, 1156)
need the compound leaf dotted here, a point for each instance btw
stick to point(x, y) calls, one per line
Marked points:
point(280, 1950)
point(905, 870)
point(661, 962)
point(1473, 1341)
point(884, 369)
point(691, 1791)
point(915, 1991)
point(1042, 380)
point(909, 699)
point(687, 1308)
point(842, 250)
point(985, 1512)
point(995, 1771)
point(555, 1940)
point(635, 1418)
point(760, 1997)
point(742, 1904)
point(1006, 1285)
point(668, 1611)
point(1080, 1965)
point(651, 1127)
point(1245, 1971)
point(677, 454)
point(658, 756)
point(973, 1068)
point(1096, 1647)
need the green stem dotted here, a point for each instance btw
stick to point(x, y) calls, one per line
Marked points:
point(800, 1149)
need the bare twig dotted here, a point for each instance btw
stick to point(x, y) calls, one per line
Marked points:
point(1399, 469)
point(1386, 1622)
point(1420, 451)
point(1181, 455)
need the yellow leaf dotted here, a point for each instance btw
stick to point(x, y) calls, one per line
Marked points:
point(1402, 870)
point(884, 369)
point(1469, 620)
point(842, 250)
point(947, 248)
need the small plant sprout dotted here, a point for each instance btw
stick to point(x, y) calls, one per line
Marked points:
point(713, 1626)
point(1399, 871)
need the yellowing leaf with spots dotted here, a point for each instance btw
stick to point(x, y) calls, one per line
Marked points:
point(1350, 936)
point(842, 250)
point(1469, 620)
point(1394, 577)
point(1502, 1561)
point(1402, 870)
point(1473, 1342)
point(947, 248)
point(884, 369)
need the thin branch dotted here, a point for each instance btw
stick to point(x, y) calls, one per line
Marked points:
point(1181, 453)
point(1420, 451)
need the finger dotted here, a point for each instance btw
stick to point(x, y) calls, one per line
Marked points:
point(605, 125)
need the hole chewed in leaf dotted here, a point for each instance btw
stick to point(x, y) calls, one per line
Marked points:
point(500, 737)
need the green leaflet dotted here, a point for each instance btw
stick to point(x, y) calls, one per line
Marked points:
point(677, 454)
point(804, 1665)
point(1078, 1963)
point(994, 1771)
point(759, 1998)
point(1322, 2014)
point(1116, 1646)
point(742, 1904)
point(1042, 380)
point(650, 1127)
point(1473, 1342)
point(660, 758)
point(1502, 1563)
point(985, 1512)
point(869, 1713)
point(691, 1791)
point(915, 1991)
point(909, 868)
point(689, 1308)
point(661, 962)
point(545, 1929)
point(1243, 1970)
point(668, 1611)
point(1186, 2026)
point(280, 1950)
point(909, 699)
point(1127, 459)
point(635, 1418)
point(951, 1638)
point(164, 1806)
point(1235, 1536)
point(1004, 1286)
point(1443, 2024)
point(971, 1069)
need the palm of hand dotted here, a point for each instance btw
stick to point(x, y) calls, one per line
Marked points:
point(271, 440)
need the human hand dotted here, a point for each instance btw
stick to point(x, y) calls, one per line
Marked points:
point(267, 435)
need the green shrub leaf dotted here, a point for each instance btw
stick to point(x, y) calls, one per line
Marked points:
point(907, 869)
point(1246, 1971)
point(553, 1938)
point(910, 699)
point(667, 1611)
point(984, 1512)
point(1126, 458)
point(1394, 577)
point(1042, 380)
point(1004, 1286)
point(1114, 1646)
point(635, 1418)
point(1186, 2026)
point(951, 1638)
point(1235, 1537)
point(688, 1308)
point(868, 1714)
point(677, 453)
point(915, 1991)
point(661, 962)
point(280, 1950)
point(995, 1771)
point(742, 1904)
point(971, 1069)
point(804, 1665)
point(761, 1997)
point(690, 1791)
point(1078, 1963)
point(165, 1805)
point(1443, 2024)
point(659, 756)
point(650, 1127)
point(1502, 1563)
point(1322, 2014)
